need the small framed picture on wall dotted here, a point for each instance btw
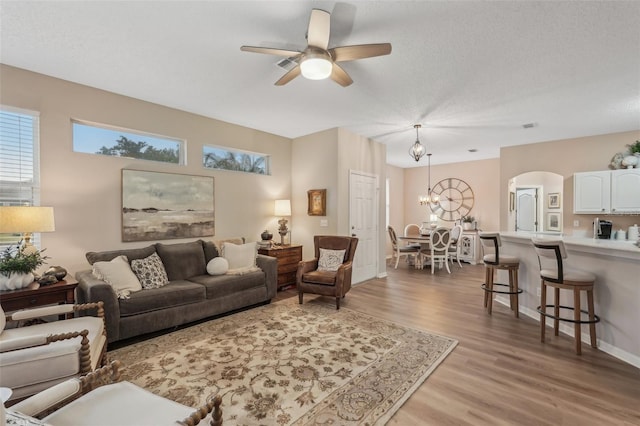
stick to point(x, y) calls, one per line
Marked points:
point(317, 202)
point(553, 221)
point(553, 200)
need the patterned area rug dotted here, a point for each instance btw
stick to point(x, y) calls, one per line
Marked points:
point(289, 364)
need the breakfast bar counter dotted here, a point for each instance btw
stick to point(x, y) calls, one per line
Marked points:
point(616, 265)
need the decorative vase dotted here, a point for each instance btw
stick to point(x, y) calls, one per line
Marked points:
point(15, 281)
point(467, 226)
point(630, 161)
point(266, 235)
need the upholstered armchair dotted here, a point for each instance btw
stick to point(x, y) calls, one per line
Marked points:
point(100, 398)
point(329, 273)
point(37, 356)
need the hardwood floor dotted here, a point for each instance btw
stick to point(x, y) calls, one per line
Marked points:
point(500, 373)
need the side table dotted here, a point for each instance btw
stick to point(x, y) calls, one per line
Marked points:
point(37, 295)
point(288, 258)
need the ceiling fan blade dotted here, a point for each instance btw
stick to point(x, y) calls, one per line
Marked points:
point(319, 28)
point(361, 51)
point(340, 76)
point(289, 76)
point(270, 51)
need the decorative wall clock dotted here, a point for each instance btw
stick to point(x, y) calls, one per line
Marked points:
point(456, 199)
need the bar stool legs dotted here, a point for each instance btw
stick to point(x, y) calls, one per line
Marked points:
point(513, 291)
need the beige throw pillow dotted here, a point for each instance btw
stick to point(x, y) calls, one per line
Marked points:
point(118, 274)
point(241, 257)
point(330, 260)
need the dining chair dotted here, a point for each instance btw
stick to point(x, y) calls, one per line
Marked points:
point(412, 230)
point(454, 246)
point(400, 251)
point(438, 250)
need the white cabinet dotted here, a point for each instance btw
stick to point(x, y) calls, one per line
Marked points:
point(592, 192)
point(610, 191)
point(625, 191)
point(470, 247)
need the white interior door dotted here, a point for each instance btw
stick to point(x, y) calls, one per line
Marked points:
point(363, 222)
point(527, 209)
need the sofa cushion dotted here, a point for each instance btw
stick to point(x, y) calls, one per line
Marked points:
point(210, 250)
point(224, 285)
point(118, 274)
point(175, 293)
point(182, 261)
point(241, 258)
point(105, 256)
point(150, 271)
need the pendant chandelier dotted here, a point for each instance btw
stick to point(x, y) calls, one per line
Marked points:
point(417, 150)
point(429, 198)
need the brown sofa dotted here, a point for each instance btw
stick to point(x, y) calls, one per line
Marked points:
point(191, 294)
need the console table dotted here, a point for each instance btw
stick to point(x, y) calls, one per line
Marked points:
point(288, 258)
point(38, 295)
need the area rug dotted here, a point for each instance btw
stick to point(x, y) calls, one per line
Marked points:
point(289, 364)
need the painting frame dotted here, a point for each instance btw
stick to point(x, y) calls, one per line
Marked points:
point(554, 221)
point(553, 200)
point(317, 202)
point(163, 206)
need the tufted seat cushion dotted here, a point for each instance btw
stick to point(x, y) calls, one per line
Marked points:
point(30, 370)
point(571, 275)
point(120, 403)
point(504, 259)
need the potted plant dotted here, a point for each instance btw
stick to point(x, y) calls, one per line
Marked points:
point(467, 222)
point(17, 265)
point(634, 148)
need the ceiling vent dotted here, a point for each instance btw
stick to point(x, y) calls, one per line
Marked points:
point(287, 64)
point(530, 125)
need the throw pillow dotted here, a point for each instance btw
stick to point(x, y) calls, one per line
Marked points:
point(219, 244)
point(118, 274)
point(150, 271)
point(330, 260)
point(241, 258)
point(217, 266)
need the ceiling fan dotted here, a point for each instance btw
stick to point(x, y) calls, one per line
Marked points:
point(317, 62)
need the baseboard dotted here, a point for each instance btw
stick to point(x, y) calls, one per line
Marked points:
point(568, 330)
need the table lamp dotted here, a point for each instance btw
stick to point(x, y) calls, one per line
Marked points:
point(282, 209)
point(26, 220)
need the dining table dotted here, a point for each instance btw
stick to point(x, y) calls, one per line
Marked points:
point(423, 240)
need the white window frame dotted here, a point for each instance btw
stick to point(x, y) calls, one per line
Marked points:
point(182, 144)
point(267, 159)
point(32, 191)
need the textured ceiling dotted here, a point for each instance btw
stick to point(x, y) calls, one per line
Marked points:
point(472, 73)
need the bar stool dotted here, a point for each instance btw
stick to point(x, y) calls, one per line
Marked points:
point(553, 274)
point(493, 261)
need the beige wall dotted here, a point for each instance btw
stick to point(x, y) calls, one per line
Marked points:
point(395, 176)
point(84, 189)
point(323, 161)
point(565, 157)
point(483, 177)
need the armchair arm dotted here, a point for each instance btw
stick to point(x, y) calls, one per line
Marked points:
point(7, 345)
point(343, 277)
point(51, 399)
point(91, 289)
point(31, 313)
point(305, 266)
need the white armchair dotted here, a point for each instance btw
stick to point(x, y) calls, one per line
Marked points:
point(100, 399)
point(38, 356)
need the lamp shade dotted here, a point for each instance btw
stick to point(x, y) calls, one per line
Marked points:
point(26, 219)
point(282, 208)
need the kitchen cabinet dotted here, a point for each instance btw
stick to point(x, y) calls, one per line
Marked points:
point(610, 191)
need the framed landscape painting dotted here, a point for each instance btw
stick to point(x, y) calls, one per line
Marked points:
point(161, 206)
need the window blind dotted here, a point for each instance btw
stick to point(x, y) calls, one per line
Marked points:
point(19, 169)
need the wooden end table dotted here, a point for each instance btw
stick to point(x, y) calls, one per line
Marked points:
point(38, 295)
point(288, 258)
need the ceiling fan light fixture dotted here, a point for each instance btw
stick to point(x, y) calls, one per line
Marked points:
point(316, 66)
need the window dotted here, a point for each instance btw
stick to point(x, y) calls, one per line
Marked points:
point(101, 139)
point(19, 167)
point(215, 157)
